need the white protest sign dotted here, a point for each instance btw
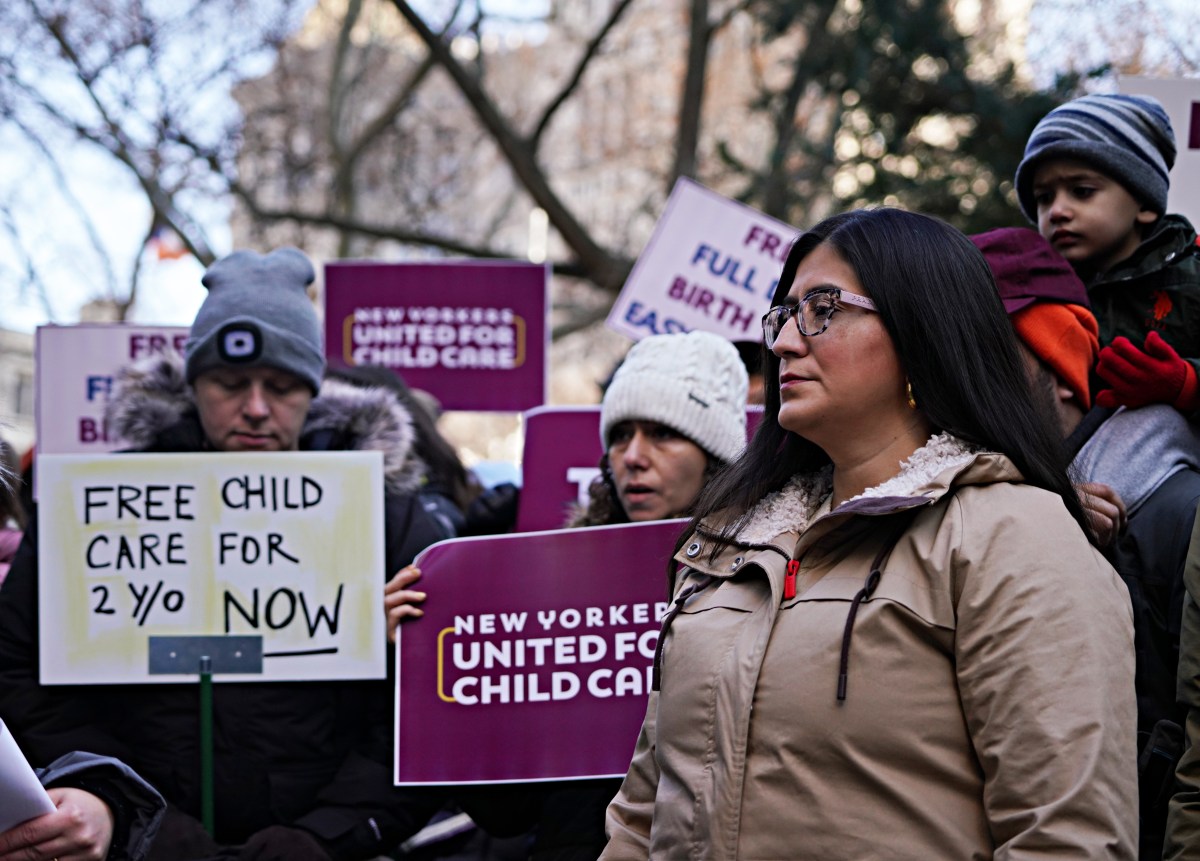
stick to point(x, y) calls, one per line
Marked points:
point(711, 264)
point(289, 546)
point(76, 366)
point(1180, 97)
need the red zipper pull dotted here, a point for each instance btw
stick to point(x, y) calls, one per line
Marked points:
point(789, 582)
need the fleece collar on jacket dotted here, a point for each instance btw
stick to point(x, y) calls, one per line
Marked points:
point(928, 473)
point(152, 398)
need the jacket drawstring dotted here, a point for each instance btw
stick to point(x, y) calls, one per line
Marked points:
point(865, 594)
point(702, 581)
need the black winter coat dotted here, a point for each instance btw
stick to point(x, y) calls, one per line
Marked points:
point(1150, 556)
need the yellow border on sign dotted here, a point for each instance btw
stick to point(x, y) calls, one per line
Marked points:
point(519, 359)
point(441, 666)
point(347, 344)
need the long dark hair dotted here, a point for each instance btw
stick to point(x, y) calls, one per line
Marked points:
point(11, 506)
point(937, 299)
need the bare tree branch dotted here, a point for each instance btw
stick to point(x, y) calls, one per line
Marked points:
point(32, 279)
point(691, 99)
point(604, 268)
point(386, 231)
point(580, 321)
point(64, 188)
point(347, 160)
point(337, 92)
point(124, 306)
point(589, 52)
point(774, 192)
point(123, 149)
point(387, 115)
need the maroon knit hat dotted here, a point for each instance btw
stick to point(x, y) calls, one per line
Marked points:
point(1027, 269)
point(1047, 303)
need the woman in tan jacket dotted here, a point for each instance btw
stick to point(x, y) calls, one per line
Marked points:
point(892, 635)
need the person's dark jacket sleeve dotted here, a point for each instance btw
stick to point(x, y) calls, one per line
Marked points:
point(361, 813)
point(410, 529)
point(136, 807)
point(47, 722)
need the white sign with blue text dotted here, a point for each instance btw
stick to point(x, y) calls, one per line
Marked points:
point(76, 369)
point(711, 264)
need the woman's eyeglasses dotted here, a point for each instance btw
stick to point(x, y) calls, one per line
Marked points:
point(812, 313)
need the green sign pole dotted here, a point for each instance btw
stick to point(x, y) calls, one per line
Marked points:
point(211, 655)
point(206, 744)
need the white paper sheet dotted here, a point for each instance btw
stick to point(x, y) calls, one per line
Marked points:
point(21, 794)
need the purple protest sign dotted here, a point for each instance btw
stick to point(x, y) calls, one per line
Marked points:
point(531, 644)
point(560, 459)
point(471, 332)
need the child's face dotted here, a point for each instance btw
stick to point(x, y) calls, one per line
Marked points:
point(1092, 220)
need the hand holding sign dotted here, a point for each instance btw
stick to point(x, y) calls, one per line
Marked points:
point(399, 602)
point(21, 792)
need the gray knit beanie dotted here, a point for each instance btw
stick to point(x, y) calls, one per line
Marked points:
point(693, 383)
point(258, 313)
point(1128, 138)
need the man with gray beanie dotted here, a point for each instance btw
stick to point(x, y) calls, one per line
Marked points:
point(258, 313)
point(302, 771)
point(1094, 180)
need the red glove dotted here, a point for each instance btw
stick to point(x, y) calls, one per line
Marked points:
point(1154, 375)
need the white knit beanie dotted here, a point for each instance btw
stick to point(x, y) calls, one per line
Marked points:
point(694, 383)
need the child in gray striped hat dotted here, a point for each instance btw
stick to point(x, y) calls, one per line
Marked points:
point(1094, 180)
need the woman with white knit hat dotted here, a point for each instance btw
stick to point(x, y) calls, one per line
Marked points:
point(674, 413)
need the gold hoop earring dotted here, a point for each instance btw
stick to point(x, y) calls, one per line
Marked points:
point(912, 402)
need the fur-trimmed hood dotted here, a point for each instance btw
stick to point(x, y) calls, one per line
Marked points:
point(153, 407)
point(927, 473)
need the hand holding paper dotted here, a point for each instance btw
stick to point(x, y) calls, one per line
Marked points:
point(80, 826)
point(63, 823)
point(21, 794)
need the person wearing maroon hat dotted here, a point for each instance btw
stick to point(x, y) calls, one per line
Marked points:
point(1140, 464)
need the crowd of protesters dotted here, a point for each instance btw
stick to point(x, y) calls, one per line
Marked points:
point(942, 604)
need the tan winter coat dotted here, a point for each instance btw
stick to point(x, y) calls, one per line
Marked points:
point(989, 703)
